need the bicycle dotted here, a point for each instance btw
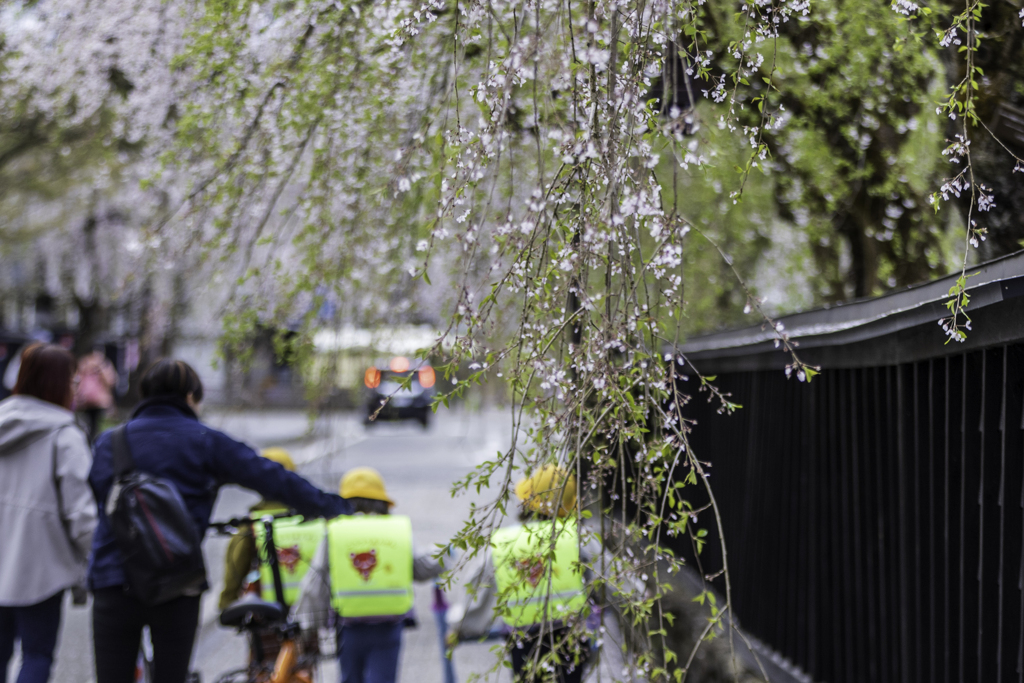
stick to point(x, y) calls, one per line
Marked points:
point(267, 624)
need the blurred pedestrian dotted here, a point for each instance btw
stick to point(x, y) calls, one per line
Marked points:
point(167, 440)
point(95, 393)
point(10, 377)
point(47, 512)
point(364, 570)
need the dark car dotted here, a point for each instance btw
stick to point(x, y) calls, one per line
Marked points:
point(385, 384)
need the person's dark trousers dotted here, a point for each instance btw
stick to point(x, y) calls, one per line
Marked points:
point(117, 621)
point(37, 627)
point(92, 420)
point(524, 649)
point(368, 653)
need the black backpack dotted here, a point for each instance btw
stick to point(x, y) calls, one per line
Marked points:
point(160, 546)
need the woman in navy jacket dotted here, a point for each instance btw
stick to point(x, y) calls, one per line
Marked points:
point(167, 440)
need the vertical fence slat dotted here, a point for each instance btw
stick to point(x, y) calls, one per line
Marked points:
point(1002, 515)
point(981, 509)
point(814, 519)
point(903, 566)
point(864, 624)
point(963, 506)
point(827, 641)
point(869, 509)
point(917, 583)
point(848, 606)
point(830, 486)
point(933, 559)
point(990, 560)
point(894, 527)
point(882, 561)
point(789, 506)
point(947, 631)
point(751, 474)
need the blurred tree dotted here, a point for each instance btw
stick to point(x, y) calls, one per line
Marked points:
point(846, 159)
point(87, 99)
point(853, 160)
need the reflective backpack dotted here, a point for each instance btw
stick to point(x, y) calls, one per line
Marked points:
point(160, 547)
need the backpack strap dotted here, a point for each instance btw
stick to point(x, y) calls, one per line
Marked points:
point(123, 461)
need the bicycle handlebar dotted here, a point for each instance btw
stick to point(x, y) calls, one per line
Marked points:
point(232, 525)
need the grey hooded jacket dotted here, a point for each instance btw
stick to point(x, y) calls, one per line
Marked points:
point(47, 511)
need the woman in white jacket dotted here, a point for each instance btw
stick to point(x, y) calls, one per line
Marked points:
point(47, 511)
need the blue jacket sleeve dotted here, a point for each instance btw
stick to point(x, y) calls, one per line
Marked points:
point(101, 474)
point(236, 463)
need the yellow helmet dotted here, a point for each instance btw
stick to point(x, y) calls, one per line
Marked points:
point(364, 482)
point(280, 456)
point(541, 492)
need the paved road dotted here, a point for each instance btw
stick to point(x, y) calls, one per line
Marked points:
point(418, 466)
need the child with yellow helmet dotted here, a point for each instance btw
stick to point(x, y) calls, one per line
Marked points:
point(531, 580)
point(241, 557)
point(361, 580)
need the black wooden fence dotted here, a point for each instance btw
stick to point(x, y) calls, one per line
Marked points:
point(875, 517)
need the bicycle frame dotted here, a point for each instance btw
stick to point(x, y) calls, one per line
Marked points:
point(275, 565)
point(288, 657)
point(284, 667)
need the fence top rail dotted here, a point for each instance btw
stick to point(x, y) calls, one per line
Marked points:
point(845, 323)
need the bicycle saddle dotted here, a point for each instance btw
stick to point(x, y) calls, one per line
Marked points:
point(251, 609)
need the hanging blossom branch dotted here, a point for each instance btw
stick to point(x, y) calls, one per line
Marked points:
point(591, 245)
point(960, 104)
point(507, 150)
point(804, 372)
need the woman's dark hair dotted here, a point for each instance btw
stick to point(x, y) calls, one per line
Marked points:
point(168, 377)
point(46, 373)
point(369, 506)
